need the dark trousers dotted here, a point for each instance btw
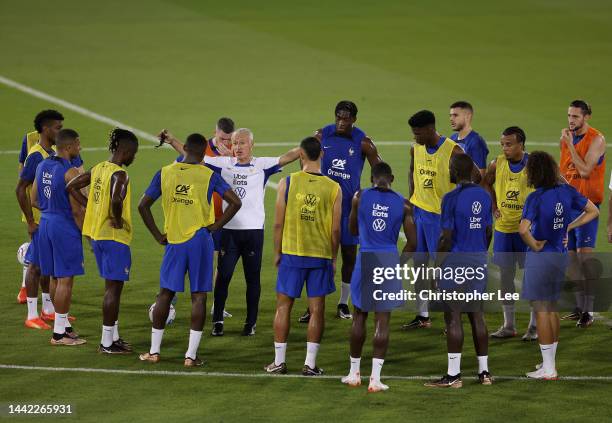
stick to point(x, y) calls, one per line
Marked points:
point(248, 244)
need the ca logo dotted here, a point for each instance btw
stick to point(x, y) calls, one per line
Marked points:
point(512, 195)
point(182, 189)
point(428, 183)
point(476, 207)
point(338, 164)
point(379, 225)
point(559, 209)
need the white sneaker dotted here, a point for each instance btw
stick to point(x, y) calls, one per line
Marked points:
point(352, 379)
point(541, 374)
point(530, 335)
point(377, 386)
point(225, 313)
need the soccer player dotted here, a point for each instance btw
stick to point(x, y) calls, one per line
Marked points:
point(60, 249)
point(461, 114)
point(48, 124)
point(548, 215)
point(345, 147)
point(377, 214)
point(506, 182)
point(583, 165)
point(306, 238)
point(466, 233)
point(243, 236)
point(186, 190)
point(428, 181)
point(108, 222)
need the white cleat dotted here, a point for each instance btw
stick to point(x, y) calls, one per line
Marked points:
point(353, 380)
point(530, 335)
point(542, 374)
point(377, 386)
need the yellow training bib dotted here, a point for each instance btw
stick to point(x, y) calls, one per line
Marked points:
point(185, 200)
point(97, 224)
point(432, 176)
point(308, 215)
point(511, 191)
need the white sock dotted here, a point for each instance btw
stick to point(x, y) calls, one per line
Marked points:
point(509, 320)
point(312, 348)
point(32, 308)
point(579, 295)
point(422, 306)
point(59, 326)
point(548, 357)
point(345, 292)
point(68, 324)
point(107, 336)
point(454, 364)
point(355, 365)
point(156, 338)
point(280, 350)
point(47, 304)
point(483, 363)
point(555, 349)
point(194, 342)
point(424, 313)
point(377, 364)
point(116, 331)
point(532, 319)
point(25, 271)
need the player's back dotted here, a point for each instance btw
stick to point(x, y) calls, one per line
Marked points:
point(467, 212)
point(53, 198)
point(380, 218)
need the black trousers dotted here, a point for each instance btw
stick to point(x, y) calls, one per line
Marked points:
point(235, 243)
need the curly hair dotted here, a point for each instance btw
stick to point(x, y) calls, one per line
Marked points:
point(119, 136)
point(44, 117)
point(542, 170)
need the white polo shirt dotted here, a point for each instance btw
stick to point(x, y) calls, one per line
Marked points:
point(248, 182)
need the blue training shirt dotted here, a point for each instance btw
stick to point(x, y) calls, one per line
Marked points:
point(466, 211)
point(28, 173)
point(343, 160)
point(474, 146)
point(380, 219)
point(53, 198)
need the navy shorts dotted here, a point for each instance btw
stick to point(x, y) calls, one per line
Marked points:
point(195, 257)
point(216, 236)
point(428, 231)
point(31, 255)
point(508, 249)
point(60, 247)
point(114, 259)
point(368, 294)
point(319, 280)
point(544, 276)
point(346, 237)
point(583, 236)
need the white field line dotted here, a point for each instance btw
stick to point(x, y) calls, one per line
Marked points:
point(256, 375)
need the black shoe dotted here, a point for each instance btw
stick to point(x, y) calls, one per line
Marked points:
point(446, 382)
point(125, 345)
point(585, 321)
point(485, 378)
point(574, 315)
point(305, 318)
point(309, 371)
point(279, 369)
point(113, 349)
point(418, 322)
point(343, 312)
point(217, 329)
point(248, 329)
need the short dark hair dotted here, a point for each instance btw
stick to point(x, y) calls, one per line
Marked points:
point(381, 169)
point(517, 132)
point(463, 165)
point(195, 142)
point(347, 106)
point(462, 105)
point(66, 137)
point(44, 117)
point(583, 106)
point(542, 170)
point(120, 136)
point(226, 125)
point(312, 148)
point(422, 119)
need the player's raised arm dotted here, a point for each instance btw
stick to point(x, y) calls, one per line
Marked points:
point(166, 137)
point(370, 151)
point(75, 186)
point(488, 183)
point(119, 186)
point(279, 220)
point(290, 156)
point(353, 219)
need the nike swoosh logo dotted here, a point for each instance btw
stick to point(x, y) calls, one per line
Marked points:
point(326, 146)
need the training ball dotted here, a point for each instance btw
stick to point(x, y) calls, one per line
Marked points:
point(21, 253)
point(171, 314)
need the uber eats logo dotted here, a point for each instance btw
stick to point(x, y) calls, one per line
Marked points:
point(309, 205)
point(181, 194)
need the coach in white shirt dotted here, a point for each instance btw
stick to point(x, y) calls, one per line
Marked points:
point(243, 236)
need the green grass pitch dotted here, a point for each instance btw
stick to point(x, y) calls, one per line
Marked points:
point(279, 68)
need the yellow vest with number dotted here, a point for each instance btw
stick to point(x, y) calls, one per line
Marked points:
point(185, 201)
point(36, 148)
point(97, 224)
point(432, 176)
point(309, 212)
point(511, 191)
